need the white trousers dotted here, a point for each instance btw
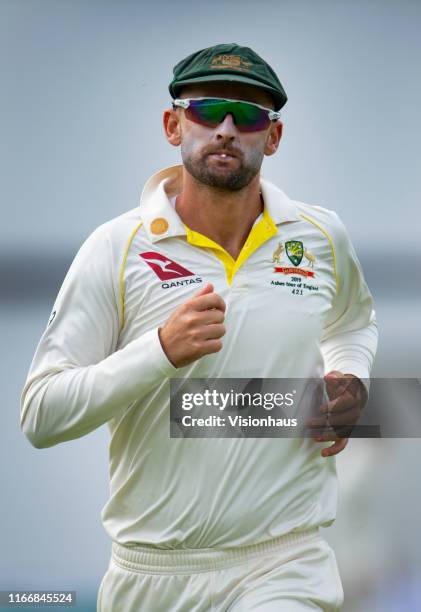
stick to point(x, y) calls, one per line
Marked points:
point(293, 573)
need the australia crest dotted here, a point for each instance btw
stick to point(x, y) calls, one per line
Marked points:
point(295, 251)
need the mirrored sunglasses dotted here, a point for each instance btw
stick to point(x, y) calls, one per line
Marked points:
point(247, 116)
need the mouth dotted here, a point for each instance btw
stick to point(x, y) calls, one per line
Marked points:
point(224, 156)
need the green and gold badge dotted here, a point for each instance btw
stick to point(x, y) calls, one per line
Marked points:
point(295, 251)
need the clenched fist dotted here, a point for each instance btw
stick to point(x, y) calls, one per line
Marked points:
point(195, 328)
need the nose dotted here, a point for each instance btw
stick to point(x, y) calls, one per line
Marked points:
point(226, 129)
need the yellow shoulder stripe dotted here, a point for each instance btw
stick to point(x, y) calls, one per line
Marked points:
point(123, 267)
point(324, 232)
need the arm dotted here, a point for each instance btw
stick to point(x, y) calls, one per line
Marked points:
point(349, 344)
point(77, 380)
point(349, 340)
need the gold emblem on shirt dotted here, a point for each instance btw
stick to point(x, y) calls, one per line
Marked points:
point(277, 253)
point(295, 251)
point(159, 225)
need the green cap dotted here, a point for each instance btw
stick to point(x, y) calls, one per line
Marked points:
point(227, 62)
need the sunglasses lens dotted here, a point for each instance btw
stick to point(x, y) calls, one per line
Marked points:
point(206, 112)
point(211, 112)
point(249, 118)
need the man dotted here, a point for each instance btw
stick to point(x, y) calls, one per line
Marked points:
point(200, 281)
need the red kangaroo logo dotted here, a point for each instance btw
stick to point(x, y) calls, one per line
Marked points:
point(164, 267)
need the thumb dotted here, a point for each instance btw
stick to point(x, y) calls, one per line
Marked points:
point(208, 288)
point(333, 375)
point(334, 383)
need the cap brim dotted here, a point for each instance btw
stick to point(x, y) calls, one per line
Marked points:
point(280, 99)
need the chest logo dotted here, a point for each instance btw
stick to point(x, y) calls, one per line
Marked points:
point(295, 251)
point(164, 267)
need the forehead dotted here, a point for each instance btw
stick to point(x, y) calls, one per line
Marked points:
point(228, 89)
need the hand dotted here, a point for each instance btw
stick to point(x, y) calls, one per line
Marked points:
point(195, 328)
point(347, 396)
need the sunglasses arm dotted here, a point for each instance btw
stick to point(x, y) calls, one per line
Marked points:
point(184, 103)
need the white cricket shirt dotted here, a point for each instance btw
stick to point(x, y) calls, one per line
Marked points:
point(100, 361)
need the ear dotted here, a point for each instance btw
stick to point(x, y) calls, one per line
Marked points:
point(172, 128)
point(274, 137)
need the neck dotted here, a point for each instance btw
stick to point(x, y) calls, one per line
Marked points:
point(226, 217)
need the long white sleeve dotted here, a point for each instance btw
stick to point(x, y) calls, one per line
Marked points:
point(78, 380)
point(349, 341)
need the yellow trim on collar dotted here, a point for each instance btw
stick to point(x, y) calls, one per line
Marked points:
point(259, 234)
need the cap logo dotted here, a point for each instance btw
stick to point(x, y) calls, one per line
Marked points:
point(235, 62)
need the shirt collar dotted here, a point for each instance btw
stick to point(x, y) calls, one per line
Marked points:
point(160, 219)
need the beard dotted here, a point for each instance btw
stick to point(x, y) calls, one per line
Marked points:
point(224, 177)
